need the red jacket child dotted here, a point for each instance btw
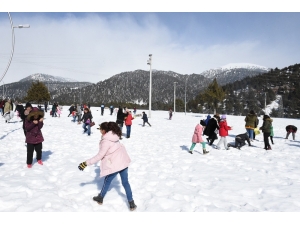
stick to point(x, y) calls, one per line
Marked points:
point(223, 131)
point(128, 119)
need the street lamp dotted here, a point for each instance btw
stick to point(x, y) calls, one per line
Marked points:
point(13, 42)
point(175, 95)
point(149, 62)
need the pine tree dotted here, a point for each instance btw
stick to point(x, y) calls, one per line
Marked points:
point(214, 94)
point(38, 92)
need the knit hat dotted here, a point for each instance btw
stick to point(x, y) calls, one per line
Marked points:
point(28, 104)
point(223, 117)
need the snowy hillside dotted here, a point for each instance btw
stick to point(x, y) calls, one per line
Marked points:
point(46, 78)
point(163, 176)
point(241, 70)
point(243, 65)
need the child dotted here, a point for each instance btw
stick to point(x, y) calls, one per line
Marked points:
point(266, 129)
point(79, 113)
point(74, 114)
point(223, 132)
point(170, 114)
point(145, 119)
point(197, 138)
point(211, 128)
point(240, 141)
point(272, 135)
point(291, 129)
point(34, 137)
point(114, 160)
point(87, 120)
point(58, 111)
point(128, 123)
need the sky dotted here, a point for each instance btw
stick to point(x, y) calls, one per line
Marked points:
point(91, 44)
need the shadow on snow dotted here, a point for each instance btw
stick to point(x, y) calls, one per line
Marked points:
point(9, 133)
point(100, 180)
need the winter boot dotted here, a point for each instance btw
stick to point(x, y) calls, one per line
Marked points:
point(269, 148)
point(132, 206)
point(191, 151)
point(98, 199)
point(40, 162)
point(29, 166)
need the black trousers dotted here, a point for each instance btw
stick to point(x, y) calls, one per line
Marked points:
point(24, 128)
point(239, 142)
point(146, 122)
point(30, 149)
point(266, 140)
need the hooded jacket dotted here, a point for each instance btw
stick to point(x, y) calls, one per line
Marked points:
point(243, 137)
point(120, 116)
point(197, 136)
point(267, 124)
point(212, 125)
point(251, 121)
point(128, 119)
point(223, 131)
point(112, 154)
point(7, 107)
point(33, 131)
point(87, 116)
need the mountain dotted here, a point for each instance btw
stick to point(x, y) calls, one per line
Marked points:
point(46, 78)
point(133, 86)
point(276, 92)
point(234, 71)
point(55, 84)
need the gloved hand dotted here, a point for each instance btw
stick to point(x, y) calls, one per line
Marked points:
point(82, 166)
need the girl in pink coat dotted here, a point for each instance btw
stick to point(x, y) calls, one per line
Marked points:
point(197, 138)
point(114, 160)
point(58, 111)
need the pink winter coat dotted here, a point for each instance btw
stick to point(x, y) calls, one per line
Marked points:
point(112, 154)
point(197, 136)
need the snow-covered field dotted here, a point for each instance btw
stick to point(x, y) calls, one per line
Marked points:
point(164, 177)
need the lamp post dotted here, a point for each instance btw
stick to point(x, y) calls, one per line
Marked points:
point(149, 62)
point(13, 42)
point(265, 103)
point(175, 96)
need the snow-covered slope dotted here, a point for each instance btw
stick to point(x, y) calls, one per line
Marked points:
point(243, 65)
point(244, 70)
point(46, 78)
point(163, 176)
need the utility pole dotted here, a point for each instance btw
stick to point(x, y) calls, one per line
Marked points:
point(265, 103)
point(149, 62)
point(185, 96)
point(80, 94)
point(175, 95)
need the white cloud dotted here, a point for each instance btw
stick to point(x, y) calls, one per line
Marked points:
point(94, 48)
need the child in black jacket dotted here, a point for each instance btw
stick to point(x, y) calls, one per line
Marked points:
point(240, 141)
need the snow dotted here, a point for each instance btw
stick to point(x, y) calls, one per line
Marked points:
point(273, 105)
point(47, 78)
point(163, 176)
point(243, 65)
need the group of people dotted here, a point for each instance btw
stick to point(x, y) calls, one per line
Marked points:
point(6, 108)
point(212, 126)
point(56, 110)
point(109, 148)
